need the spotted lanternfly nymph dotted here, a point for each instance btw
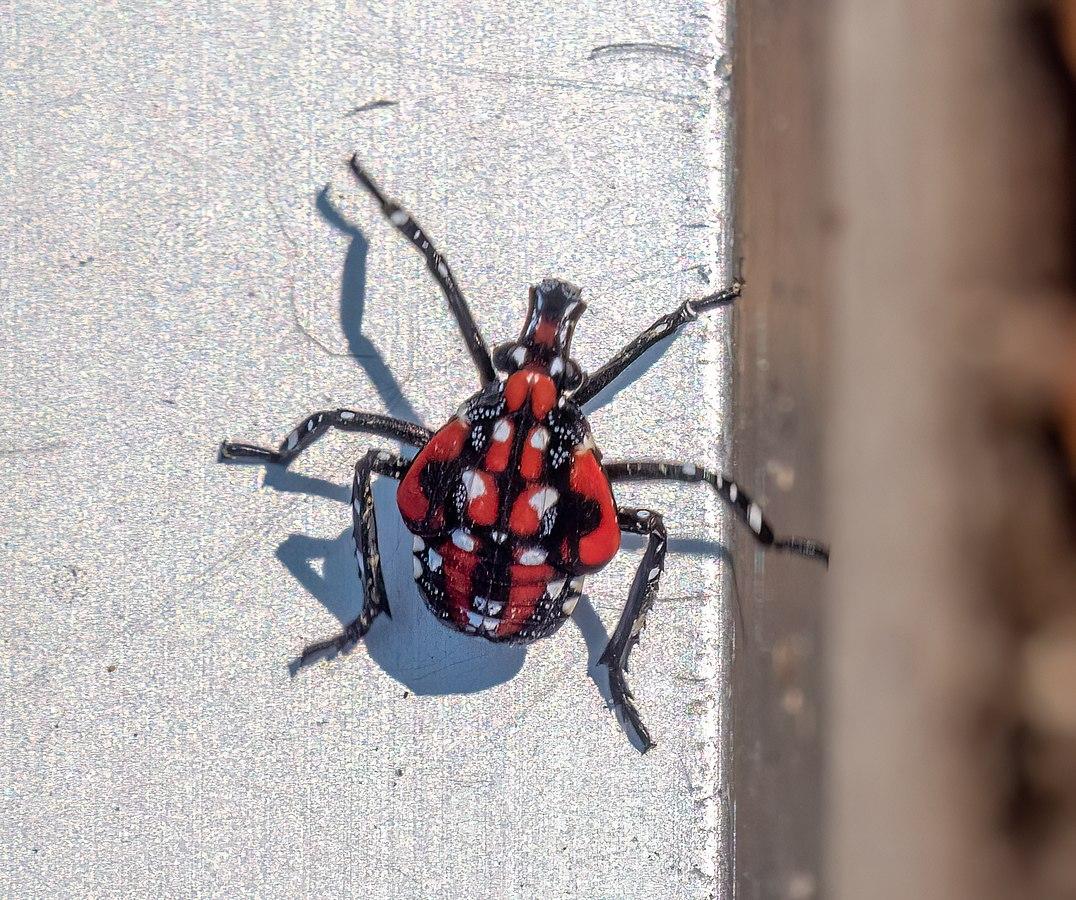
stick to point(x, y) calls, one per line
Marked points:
point(510, 502)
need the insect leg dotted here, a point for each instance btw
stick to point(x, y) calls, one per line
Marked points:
point(375, 600)
point(668, 324)
point(438, 267)
point(644, 590)
point(316, 424)
point(745, 509)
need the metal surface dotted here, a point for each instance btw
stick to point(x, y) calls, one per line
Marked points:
point(782, 340)
point(174, 273)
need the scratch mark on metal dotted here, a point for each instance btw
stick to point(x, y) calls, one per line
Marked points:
point(39, 450)
point(643, 47)
point(373, 104)
point(521, 76)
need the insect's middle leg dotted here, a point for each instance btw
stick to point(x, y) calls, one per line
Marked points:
point(315, 425)
point(367, 555)
point(743, 507)
point(644, 590)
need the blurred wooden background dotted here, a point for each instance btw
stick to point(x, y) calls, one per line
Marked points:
point(909, 329)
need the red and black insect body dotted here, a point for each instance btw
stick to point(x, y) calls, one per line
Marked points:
point(510, 502)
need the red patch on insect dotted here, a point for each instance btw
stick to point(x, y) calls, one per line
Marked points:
point(500, 446)
point(529, 383)
point(545, 332)
point(531, 504)
point(587, 478)
point(458, 566)
point(522, 601)
point(482, 497)
point(533, 456)
point(410, 497)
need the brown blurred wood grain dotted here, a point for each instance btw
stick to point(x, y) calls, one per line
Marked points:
point(907, 210)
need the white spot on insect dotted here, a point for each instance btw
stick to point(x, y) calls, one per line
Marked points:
point(642, 514)
point(544, 500)
point(519, 355)
point(554, 588)
point(310, 425)
point(556, 367)
point(576, 584)
point(494, 607)
point(399, 217)
point(654, 573)
point(499, 537)
point(463, 540)
point(480, 603)
point(461, 413)
point(383, 456)
point(754, 518)
point(418, 544)
point(475, 484)
point(586, 444)
point(533, 556)
point(357, 503)
point(483, 623)
point(638, 625)
point(417, 567)
point(347, 415)
point(293, 439)
point(569, 605)
point(502, 431)
point(434, 559)
point(689, 470)
point(442, 269)
point(539, 438)
point(734, 492)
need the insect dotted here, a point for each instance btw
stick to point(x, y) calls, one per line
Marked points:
point(510, 503)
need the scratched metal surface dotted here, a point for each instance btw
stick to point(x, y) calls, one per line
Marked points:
point(186, 259)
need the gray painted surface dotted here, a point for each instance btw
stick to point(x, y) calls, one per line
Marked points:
point(174, 274)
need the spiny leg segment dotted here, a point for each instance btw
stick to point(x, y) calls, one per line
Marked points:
point(438, 267)
point(644, 590)
point(316, 424)
point(688, 311)
point(364, 532)
point(745, 509)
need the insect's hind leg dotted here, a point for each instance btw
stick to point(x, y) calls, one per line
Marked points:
point(744, 508)
point(316, 424)
point(367, 555)
point(644, 590)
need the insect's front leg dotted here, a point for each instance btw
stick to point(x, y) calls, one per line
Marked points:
point(667, 325)
point(316, 424)
point(439, 269)
point(367, 555)
point(644, 590)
